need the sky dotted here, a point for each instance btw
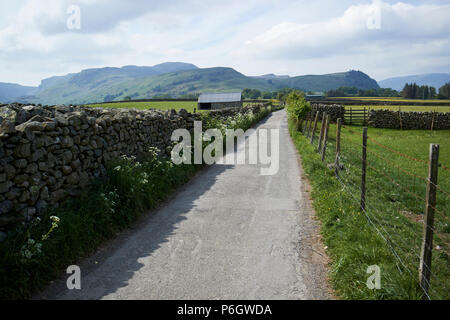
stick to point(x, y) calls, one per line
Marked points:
point(44, 38)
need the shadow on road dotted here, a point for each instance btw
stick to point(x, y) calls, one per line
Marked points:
point(115, 264)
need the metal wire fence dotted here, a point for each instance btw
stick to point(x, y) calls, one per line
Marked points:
point(395, 199)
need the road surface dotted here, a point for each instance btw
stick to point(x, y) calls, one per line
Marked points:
point(230, 233)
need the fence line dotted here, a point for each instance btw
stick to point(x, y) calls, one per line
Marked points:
point(386, 239)
point(400, 206)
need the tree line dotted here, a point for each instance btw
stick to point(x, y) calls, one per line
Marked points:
point(280, 93)
point(444, 91)
point(355, 92)
point(413, 91)
point(410, 91)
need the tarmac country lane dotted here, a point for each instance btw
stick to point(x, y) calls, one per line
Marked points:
point(230, 233)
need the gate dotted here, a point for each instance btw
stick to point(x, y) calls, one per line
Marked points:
point(356, 116)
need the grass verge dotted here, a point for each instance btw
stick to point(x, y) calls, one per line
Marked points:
point(353, 242)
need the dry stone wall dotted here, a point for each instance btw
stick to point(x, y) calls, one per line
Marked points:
point(409, 120)
point(335, 111)
point(49, 153)
point(390, 119)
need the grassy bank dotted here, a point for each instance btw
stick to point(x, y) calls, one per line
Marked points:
point(390, 234)
point(37, 253)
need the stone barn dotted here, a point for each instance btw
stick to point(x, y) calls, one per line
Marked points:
point(214, 101)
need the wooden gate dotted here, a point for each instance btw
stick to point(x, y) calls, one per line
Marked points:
point(356, 116)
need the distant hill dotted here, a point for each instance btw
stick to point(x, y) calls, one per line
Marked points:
point(10, 91)
point(272, 76)
point(322, 83)
point(175, 79)
point(436, 80)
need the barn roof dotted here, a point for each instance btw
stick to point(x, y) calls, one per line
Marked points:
point(220, 97)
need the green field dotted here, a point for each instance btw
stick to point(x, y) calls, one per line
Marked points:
point(162, 105)
point(402, 108)
point(396, 190)
point(391, 99)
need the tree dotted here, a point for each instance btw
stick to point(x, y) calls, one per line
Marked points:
point(432, 92)
point(246, 93)
point(296, 105)
point(251, 93)
point(353, 92)
point(444, 91)
point(282, 94)
point(413, 91)
point(266, 95)
point(407, 91)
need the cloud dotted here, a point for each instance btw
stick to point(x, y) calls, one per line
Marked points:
point(99, 16)
point(50, 16)
point(400, 27)
point(254, 36)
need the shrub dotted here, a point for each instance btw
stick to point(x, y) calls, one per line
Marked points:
point(297, 106)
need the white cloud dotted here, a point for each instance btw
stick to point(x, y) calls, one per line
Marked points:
point(255, 36)
point(400, 24)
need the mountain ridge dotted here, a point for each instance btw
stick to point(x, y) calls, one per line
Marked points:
point(174, 79)
point(436, 80)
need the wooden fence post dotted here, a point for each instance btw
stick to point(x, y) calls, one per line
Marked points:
point(432, 121)
point(298, 124)
point(305, 124)
point(351, 116)
point(364, 119)
point(314, 127)
point(325, 137)
point(322, 128)
point(427, 241)
point(363, 173)
point(338, 145)
point(310, 124)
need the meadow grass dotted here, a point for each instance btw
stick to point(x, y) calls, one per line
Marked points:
point(162, 105)
point(392, 99)
point(401, 108)
point(354, 240)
